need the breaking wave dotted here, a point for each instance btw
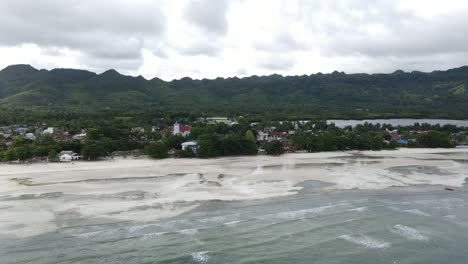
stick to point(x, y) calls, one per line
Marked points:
point(189, 232)
point(200, 257)
point(416, 212)
point(365, 241)
point(408, 233)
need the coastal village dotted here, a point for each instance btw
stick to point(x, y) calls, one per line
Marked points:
point(282, 132)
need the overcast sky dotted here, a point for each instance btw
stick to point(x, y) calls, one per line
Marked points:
point(221, 38)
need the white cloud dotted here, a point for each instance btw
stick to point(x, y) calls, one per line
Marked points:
point(211, 38)
point(209, 15)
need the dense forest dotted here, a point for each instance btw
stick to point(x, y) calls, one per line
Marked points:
point(26, 92)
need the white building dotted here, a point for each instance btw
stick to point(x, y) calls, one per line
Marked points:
point(179, 129)
point(30, 136)
point(49, 130)
point(80, 136)
point(262, 135)
point(218, 120)
point(190, 145)
point(65, 158)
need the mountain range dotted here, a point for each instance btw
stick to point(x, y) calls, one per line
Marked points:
point(335, 95)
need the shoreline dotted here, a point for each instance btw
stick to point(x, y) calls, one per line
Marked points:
point(324, 153)
point(145, 190)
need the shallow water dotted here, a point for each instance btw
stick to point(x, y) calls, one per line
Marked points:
point(397, 225)
point(74, 220)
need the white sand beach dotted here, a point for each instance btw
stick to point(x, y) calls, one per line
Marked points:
point(41, 197)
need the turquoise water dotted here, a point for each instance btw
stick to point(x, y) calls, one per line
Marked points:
point(419, 224)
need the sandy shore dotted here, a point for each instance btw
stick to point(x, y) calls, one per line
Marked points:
point(40, 197)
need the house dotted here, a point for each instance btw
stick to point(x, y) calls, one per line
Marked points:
point(155, 128)
point(138, 129)
point(190, 145)
point(395, 136)
point(180, 129)
point(80, 136)
point(67, 156)
point(419, 132)
point(262, 135)
point(76, 156)
point(50, 130)
point(5, 130)
point(278, 135)
point(65, 136)
point(30, 136)
point(172, 151)
point(21, 130)
point(218, 120)
point(402, 142)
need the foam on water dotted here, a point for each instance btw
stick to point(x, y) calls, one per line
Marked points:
point(140, 227)
point(220, 219)
point(408, 232)
point(200, 257)
point(365, 241)
point(189, 232)
point(298, 214)
point(416, 212)
point(89, 234)
point(359, 209)
point(234, 222)
point(153, 235)
point(442, 203)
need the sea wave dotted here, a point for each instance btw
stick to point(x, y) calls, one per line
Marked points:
point(153, 235)
point(234, 222)
point(139, 227)
point(200, 257)
point(89, 234)
point(189, 232)
point(359, 209)
point(416, 212)
point(365, 241)
point(408, 232)
point(298, 214)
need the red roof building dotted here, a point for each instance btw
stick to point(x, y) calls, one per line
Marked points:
point(180, 129)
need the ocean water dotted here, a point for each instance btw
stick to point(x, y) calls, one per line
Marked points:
point(423, 224)
point(316, 223)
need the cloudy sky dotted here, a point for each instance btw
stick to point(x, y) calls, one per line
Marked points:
point(220, 38)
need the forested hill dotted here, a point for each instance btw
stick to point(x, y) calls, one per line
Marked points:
point(400, 94)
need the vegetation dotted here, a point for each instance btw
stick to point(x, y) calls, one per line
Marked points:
point(232, 145)
point(222, 140)
point(435, 139)
point(118, 112)
point(76, 96)
point(274, 148)
point(156, 150)
point(335, 139)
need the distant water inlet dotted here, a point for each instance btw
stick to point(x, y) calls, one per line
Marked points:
point(398, 122)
